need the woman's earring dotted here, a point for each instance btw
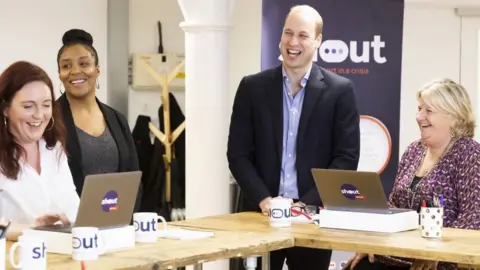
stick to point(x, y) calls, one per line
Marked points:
point(98, 84)
point(5, 121)
point(61, 92)
point(452, 133)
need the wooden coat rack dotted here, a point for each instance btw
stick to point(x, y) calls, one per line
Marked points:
point(169, 137)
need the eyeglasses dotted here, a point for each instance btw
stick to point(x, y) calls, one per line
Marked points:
point(309, 210)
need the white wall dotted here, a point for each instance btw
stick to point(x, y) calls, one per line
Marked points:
point(431, 48)
point(244, 42)
point(144, 39)
point(428, 53)
point(470, 55)
point(32, 30)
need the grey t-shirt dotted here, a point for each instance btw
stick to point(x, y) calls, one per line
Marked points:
point(99, 154)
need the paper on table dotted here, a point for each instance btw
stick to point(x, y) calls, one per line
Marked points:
point(184, 234)
point(303, 219)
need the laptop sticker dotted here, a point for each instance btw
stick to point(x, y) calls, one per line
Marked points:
point(110, 201)
point(351, 192)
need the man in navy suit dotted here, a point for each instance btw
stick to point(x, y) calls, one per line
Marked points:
point(288, 120)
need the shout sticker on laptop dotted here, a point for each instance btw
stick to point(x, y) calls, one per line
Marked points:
point(351, 192)
point(110, 201)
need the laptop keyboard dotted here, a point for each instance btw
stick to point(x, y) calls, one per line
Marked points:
point(386, 211)
point(55, 228)
point(399, 210)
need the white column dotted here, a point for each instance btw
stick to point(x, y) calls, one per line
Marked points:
point(207, 31)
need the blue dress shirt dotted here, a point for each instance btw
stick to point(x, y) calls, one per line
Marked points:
point(292, 109)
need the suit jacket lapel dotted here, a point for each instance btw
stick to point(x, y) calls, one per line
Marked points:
point(313, 92)
point(275, 99)
point(73, 146)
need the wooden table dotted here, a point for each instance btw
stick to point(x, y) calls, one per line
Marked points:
point(247, 234)
point(169, 254)
point(459, 246)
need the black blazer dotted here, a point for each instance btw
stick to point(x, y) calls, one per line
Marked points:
point(118, 125)
point(328, 135)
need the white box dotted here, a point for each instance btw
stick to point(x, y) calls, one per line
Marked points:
point(61, 243)
point(360, 221)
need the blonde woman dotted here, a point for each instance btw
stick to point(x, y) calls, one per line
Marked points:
point(444, 161)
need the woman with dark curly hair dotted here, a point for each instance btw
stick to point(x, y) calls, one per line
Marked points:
point(99, 139)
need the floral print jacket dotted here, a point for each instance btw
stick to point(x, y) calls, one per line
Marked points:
point(456, 176)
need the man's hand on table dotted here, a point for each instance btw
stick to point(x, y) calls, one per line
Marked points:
point(265, 205)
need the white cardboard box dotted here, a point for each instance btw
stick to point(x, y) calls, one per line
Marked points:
point(61, 243)
point(360, 221)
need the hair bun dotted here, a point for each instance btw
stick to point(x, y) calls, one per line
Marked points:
point(77, 35)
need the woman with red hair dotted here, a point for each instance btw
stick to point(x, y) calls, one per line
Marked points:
point(36, 186)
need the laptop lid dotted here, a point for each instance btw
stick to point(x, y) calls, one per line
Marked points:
point(344, 190)
point(108, 199)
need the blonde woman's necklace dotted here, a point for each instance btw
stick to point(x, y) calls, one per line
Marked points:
point(428, 170)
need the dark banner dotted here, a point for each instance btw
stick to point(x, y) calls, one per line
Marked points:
point(362, 40)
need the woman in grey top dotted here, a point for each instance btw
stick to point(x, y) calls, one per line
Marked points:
point(98, 137)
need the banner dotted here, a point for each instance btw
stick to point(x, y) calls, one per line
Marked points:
point(362, 40)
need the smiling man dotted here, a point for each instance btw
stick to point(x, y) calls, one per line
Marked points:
point(288, 120)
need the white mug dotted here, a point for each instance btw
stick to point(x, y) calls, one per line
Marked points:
point(431, 222)
point(33, 253)
point(87, 243)
point(280, 212)
point(146, 226)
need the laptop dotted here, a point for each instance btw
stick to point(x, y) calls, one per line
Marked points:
point(107, 201)
point(353, 191)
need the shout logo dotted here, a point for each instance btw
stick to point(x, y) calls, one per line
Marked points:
point(145, 226)
point(351, 192)
point(337, 51)
point(110, 201)
point(39, 252)
point(85, 242)
point(280, 213)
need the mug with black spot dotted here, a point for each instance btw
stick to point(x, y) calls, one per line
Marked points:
point(431, 222)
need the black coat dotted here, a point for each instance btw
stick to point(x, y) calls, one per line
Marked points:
point(155, 174)
point(118, 126)
point(328, 133)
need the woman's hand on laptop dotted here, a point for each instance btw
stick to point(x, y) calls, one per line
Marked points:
point(51, 219)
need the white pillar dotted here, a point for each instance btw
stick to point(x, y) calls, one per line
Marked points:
point(207, 31)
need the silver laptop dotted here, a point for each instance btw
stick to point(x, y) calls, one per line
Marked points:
point(107, 201)
point(343, 190)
